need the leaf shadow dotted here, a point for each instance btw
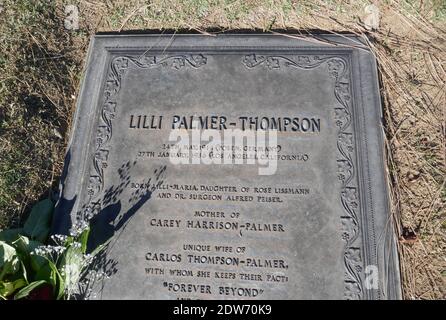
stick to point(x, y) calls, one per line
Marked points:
point(107, 220)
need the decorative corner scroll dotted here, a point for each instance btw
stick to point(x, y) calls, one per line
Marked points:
point(338, 70)
point(118, 66)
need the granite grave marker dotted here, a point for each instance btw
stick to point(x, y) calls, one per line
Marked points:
point(316, 226)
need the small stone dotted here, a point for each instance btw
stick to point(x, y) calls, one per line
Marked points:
point(413, 175)
point(71, 21)
point(371, 18)
point(57, 133)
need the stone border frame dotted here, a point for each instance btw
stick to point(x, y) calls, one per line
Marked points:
point(374, 217)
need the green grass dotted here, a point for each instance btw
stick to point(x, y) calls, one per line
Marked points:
point(35, 87)
point(439, 10)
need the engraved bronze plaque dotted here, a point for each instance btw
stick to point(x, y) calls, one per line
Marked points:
point(315, 226)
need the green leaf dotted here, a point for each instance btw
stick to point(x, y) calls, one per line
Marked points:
point(38, 224)
point(9, 261)
point(8, 288)
point(48, 273)
point(46, 270)
point(71, 264)
point(100, 248)
point(61, 285)
point(37, 262)
point(83, 239)
point(61, 291)
point(10, 235)
point(7, 253)
point(24, 271)
point(24, 246)
point(27, 290)
point(69, 241)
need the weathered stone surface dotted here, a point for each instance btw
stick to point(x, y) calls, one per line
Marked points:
point(316, 228)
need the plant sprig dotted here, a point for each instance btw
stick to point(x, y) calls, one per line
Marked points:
point(30, 258)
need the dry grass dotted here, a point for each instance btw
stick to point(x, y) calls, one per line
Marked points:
point(40, 67)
